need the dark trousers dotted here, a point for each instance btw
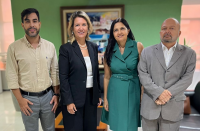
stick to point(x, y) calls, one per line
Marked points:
point(84, 119)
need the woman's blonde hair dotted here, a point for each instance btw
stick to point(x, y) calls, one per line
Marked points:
point(83, 15)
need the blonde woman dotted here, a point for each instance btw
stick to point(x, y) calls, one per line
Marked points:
point(79, 76)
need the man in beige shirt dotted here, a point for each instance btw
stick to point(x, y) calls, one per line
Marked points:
point(32, 70)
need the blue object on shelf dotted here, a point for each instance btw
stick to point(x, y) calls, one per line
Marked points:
point(98, 37)
point(93, 36)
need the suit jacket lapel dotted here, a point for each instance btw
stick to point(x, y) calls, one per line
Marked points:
point(91, 54)
point(160, 56)
point(128, 48)
point(177, 53)
point(78, 52)
point(117, 53)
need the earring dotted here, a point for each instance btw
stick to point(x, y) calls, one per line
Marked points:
point(72, 32)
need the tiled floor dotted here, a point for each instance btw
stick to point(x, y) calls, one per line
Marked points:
point(191, 122)
point(10, 120)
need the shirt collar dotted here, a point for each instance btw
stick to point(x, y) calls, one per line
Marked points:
point(164, 47)
point(29, 45)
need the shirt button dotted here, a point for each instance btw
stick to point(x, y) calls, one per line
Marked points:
point(165, 82)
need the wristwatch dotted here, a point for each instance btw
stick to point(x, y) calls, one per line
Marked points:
point(58, 95)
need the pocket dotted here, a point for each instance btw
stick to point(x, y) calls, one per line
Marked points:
point(33, 100)
point(47, 98)
point(180, 98)
point(26, 97)
point(48, 61)
point(52, 93)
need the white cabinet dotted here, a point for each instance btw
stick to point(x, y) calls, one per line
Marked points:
point(0, 84)
point(3, 80)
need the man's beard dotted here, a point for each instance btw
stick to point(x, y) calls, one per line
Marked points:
point(32, 35)
point(167, 41)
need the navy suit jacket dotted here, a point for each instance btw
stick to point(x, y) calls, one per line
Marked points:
point(73, 74)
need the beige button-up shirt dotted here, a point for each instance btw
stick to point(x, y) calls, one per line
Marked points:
point(168, 53)
point(32, 70)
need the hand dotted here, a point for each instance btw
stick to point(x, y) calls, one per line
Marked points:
point(23, 103)
point(105, 104)
point(100, 101)
point(165, 96)
point(71, 108)
point(55, 100)
point(158, 102)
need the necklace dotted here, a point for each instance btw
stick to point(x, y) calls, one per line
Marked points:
point(82, 45)
point(84, 48)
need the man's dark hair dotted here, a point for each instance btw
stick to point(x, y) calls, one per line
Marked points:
point(27, 12)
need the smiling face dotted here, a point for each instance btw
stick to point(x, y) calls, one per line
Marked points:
point(31, 25)
point(170, 31)
point(120, 32)
point(80, 28)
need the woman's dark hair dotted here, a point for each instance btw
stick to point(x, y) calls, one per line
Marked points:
point(27, 12)
point(112, 41)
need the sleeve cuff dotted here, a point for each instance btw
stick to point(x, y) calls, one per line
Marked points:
point(13, 86)
point(157, 93)
point(55, 83)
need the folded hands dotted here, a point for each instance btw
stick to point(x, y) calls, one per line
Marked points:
point(163, 98)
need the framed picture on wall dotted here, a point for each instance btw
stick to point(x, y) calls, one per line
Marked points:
point(101, 18)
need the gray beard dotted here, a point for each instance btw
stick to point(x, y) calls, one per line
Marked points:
point(166, 41)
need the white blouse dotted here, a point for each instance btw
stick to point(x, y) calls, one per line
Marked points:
point(89, 82)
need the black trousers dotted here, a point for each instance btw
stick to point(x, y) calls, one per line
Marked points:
point(84, 119)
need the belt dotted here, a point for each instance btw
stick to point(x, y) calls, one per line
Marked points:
point(124, 77)
point(36, 93)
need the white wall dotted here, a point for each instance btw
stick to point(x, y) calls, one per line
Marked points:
point(6, 37)
point(6, 30)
